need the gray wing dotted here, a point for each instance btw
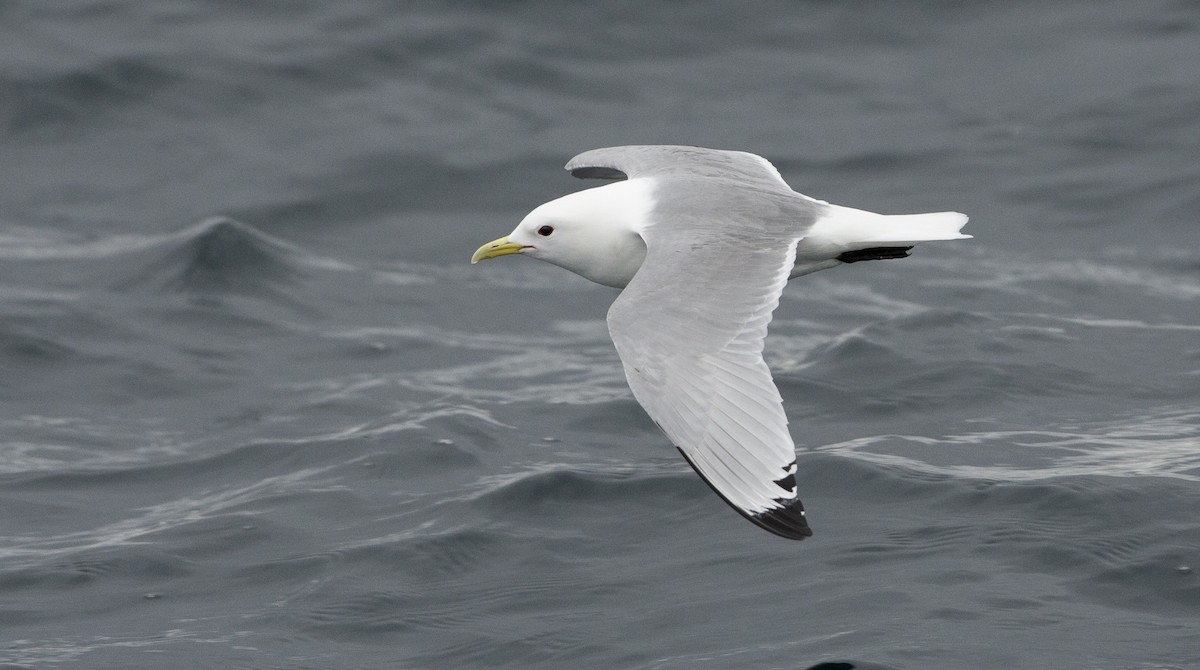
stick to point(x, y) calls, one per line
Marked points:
point(690, 328)
point(663, 160)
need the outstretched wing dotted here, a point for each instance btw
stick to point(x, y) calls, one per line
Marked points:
point(631, 162)
point(690, 328)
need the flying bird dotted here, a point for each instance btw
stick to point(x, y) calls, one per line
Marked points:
point(702, 242)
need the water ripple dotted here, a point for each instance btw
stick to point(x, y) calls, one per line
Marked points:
point(1158, 445)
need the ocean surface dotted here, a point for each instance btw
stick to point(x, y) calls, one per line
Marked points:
point(257, 410)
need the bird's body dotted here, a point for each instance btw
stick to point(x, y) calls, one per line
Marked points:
point(702, 242)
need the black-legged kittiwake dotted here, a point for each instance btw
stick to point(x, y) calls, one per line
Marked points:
point(702, 242)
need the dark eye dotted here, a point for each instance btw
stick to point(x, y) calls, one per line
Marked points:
point(545, 231)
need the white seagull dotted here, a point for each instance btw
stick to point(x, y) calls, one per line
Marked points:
point(703, 241)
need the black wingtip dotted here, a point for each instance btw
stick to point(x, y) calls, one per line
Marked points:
point(595, 172)
point(787, 521)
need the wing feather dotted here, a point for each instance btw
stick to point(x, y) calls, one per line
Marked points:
point(630, 162)
point(690, 328)
point(690, 325)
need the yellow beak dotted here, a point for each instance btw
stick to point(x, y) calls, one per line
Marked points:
point(500, 247)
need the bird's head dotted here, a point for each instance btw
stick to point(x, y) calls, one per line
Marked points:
point(593, 233)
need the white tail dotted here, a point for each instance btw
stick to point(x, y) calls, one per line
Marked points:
point(903, 229)
point(845, 229)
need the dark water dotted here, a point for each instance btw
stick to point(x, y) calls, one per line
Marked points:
point(258, 411)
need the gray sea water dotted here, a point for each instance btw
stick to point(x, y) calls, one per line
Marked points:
point(258, 411)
